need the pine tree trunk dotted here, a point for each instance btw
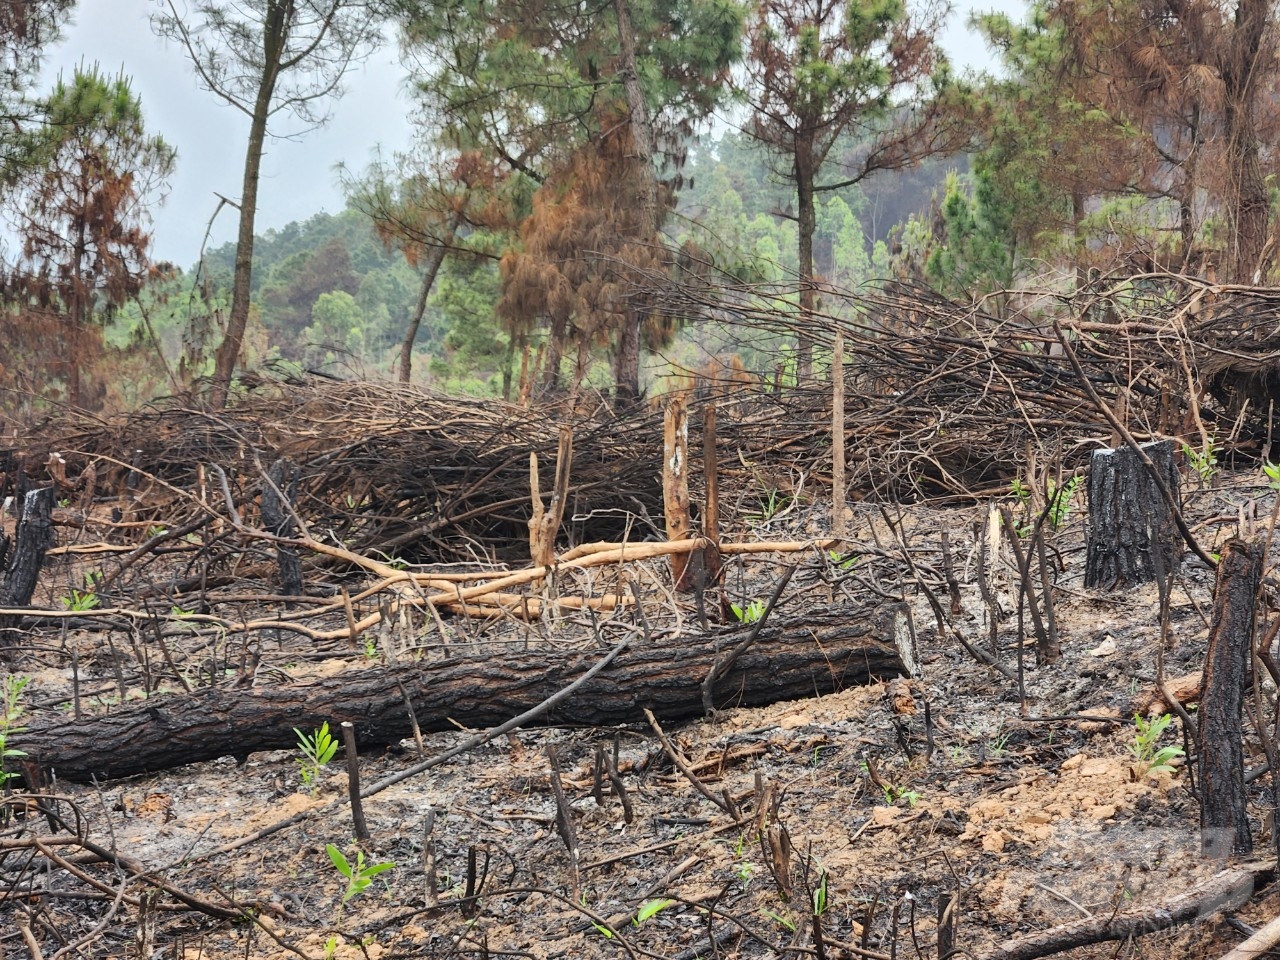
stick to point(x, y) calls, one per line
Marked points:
point(627, 366)
point(1132, 537)
point(1248, 200)
point(805, 175)
point(434, 261)
point(1226, 672)
point(275, 32)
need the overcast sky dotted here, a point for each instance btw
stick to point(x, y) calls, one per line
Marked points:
point(298, 177)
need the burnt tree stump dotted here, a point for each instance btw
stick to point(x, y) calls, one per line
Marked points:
point(1132, 536)
point(1226, 673)
point(25, 557)
point(278, 519)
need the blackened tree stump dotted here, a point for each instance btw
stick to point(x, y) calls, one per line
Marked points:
point(1226, 673)
point(788, 660)
point(277, 495)
point(1132, 535)
point(24, 558)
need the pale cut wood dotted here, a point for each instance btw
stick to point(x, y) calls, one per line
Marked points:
point(839, 524)
point(675, 479)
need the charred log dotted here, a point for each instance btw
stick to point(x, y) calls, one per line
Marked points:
point(789, 660)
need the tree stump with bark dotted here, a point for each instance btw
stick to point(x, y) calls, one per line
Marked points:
point(1132, 536)
point(1226, 673)
point(23, 558)
point(278, 492)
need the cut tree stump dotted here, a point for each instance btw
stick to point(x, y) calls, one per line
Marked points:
point(1226, 675)
point(1132, 536)
point(278, 493)
point(33, 539)
point(820, 654)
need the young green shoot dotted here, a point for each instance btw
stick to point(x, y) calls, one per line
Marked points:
point(359, 874)
point(1272, 470)
point(11, 711)
point(751, 613)
point(1060, 500)
point(820, 895)
point(1143, 747)
point(1203, 462)
point(649, 909)
point(317, 750)
point(80, 601)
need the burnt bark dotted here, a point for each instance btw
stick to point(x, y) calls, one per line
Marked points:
point(1129, 518)
point(1226, 673)
point(277, 494)
point(33, 538)
point(789, 660)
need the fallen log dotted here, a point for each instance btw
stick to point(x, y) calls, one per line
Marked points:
point(816, 655)
point(1224, 890)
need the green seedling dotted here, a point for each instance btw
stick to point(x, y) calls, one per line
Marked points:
point(650, 909)
point(998, 746)
point(1204, 463)
point(1272, 470)
point(11, 711)
point(1022, 493)
point(785, 922)
point(1143, 747)
point(80, 601)
point(359, 875)
point(820, 895)
point(751, 613)
point(841, 561)
point(771, 505)
point(317, 750)
point(893, 794)
point(1060, 500)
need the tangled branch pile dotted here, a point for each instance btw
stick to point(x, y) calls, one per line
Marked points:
point(944, 399)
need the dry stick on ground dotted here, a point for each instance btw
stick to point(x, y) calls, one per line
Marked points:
point(469, 744)
point(1136, 447)
point(565, 825)
point(359, 824)
point(1221, 891)
point(1054, 649)
point(1257, 945)
point(722, 667)
point(683, 766)
point(580, 558)
point(839, 524)
point(675, 481)
point(1043, 646)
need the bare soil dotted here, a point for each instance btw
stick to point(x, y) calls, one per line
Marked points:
point(881, 801)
